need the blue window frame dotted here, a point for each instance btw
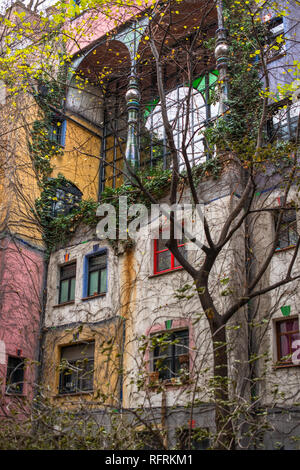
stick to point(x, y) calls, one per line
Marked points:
point(95, 273)
point(58, 128)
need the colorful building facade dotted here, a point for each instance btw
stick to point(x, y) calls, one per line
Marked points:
point(96, 317)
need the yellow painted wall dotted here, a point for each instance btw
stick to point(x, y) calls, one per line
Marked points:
point(18, 179)
point(108, 340)
point(81, 159)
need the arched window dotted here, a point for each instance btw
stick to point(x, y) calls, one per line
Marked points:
point(67, 198)
point(192, 115)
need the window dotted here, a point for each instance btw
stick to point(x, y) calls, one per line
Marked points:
point(283, 125)
point(199, 439)
point(68, 197)
point(170, 354)
point(164, 260)
point(77, 368)
point(15, 375)
point(151, 134)
point(57, 131)
point(149, 440)
point(114, 134)
point(97, 274)
point(67, 283)
point(274, 42)
point(287, 332)
point(288, 235)
point(201, 112)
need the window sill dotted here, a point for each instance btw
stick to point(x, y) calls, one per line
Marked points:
point(94, 296)
point(74, 394)
point(61, 146)
point(71, 302)
point(21, 395)
point(180, 268)
point(278, 56)
point(280, 250)
point(285, 366)
point(169, 383)
point(275, 57)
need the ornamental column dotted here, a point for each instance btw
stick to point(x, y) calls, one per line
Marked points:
point(221, 55)
point(131, 37)
point(133, 97)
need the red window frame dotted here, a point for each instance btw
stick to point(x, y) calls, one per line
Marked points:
point(158, 252)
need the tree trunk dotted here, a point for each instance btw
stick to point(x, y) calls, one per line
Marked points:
point(224, 428)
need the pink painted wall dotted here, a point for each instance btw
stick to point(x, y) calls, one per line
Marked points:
point(21, 283)
point(91, 26)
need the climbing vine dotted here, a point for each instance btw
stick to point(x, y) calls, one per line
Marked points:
point(244, 103)
point(58, 228)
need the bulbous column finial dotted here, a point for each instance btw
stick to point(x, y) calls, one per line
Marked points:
point(132, 97)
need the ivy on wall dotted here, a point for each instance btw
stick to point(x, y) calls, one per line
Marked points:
point(58, 229)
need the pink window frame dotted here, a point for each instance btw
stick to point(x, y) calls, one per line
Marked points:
point(176, 325)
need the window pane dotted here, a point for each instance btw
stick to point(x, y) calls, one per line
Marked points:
point(68, 271)
point(284, 347)
point(167, 358)
point(164, 366)
point(283, 241)
point(68, 381)
point(97, 261)
point(15, 375)
point(288, 325)
point(182, 251)
point(163, 261)
point(78, 365)
point(64, 289)
point(161, 244)
point(86, 375)
point(103, 281)
point(293, 235)
point(176, 101)
point(163, 351)
point(72, 289)
point(288, 235)
point(294, 337)
point(182, 346)
point(93, 282)
point(78, 352)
